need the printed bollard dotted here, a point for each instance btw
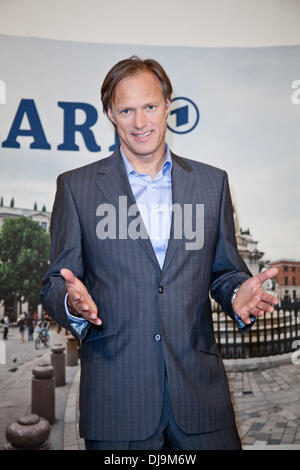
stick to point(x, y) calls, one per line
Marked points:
point(72, 351)
point(43, 392)
point(59, 364)
point(31, 432)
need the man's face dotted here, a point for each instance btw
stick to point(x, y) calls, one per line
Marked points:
point(139, 112)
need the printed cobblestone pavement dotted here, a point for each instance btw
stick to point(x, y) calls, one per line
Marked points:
point(267, 405)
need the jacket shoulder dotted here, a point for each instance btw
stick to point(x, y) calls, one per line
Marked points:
point(85, 170)
point(200, 167)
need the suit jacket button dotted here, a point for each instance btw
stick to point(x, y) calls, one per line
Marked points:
point(161, 289)
point(157, 337)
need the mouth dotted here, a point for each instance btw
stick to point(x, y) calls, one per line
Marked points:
point(142, 136)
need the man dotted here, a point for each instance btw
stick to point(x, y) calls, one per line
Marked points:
point(151, 372)
point(30, 326)
point(44, 325)
point(21, 324)
point(5, 322)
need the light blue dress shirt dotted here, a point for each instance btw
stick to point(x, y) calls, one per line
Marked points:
point(154, 200)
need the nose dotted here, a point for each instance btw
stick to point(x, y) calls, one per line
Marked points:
point(140, 119)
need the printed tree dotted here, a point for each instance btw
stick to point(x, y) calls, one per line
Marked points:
point(24, 259)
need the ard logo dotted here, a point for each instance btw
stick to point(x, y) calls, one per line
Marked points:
point(184, 115)
point(183, 118)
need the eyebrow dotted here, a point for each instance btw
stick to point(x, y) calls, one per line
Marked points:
point(153, 103)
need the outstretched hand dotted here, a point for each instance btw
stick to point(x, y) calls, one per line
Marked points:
point(252, 299)
point(79, 299)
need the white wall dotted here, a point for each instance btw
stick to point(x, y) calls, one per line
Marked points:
point(223, 23)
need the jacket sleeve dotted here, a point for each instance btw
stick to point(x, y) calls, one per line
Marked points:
point(66, 252)
point(229, 270)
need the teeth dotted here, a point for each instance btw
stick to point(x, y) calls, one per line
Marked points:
point(143, 135)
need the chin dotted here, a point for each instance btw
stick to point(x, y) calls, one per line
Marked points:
point(143, 150)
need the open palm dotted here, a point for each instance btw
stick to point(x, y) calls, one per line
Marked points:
point(252, 299)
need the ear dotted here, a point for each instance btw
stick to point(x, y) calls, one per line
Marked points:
point(168, 107)
point(110, 116)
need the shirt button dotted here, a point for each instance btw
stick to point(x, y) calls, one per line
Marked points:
point(157, 337)
point(161, 289)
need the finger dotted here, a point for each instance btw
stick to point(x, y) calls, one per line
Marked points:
point(257, 312)
point(245, 317)
point(85, 308)
point(266, 307)
point(76, 296)
point(88, 310)
point(88, 307)
point(268, 274)
point(92, 318)
point(96, 321)
point(269, 298)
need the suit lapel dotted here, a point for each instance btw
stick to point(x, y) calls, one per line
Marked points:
point(113, 182)
point(182, 193)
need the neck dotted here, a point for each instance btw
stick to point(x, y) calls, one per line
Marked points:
point(147, 164)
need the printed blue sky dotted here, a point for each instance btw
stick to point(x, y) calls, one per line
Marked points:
point(248, 123)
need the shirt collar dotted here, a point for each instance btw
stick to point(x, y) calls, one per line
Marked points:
point(131, 171)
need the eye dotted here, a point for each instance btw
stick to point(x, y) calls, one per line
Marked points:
point(125, 111)
point(150, 106)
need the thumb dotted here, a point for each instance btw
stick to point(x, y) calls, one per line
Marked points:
point(72, 284)
point(68, 276)
point(268, 274)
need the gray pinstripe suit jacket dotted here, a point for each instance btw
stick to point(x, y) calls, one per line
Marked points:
point(122, 365)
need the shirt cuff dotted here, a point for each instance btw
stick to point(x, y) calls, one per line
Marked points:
point(241, 325)
point(79, 324)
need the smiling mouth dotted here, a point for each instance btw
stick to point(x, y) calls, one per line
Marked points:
point(142, 136)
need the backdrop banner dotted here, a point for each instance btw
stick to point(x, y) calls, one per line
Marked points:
point(235, 108)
